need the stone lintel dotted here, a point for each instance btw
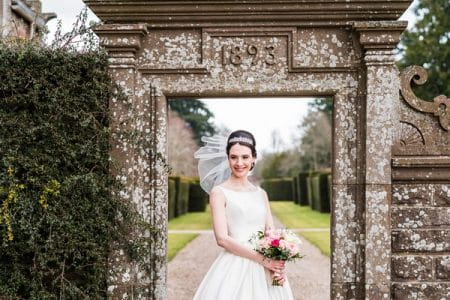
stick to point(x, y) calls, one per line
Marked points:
point(189, 13)
point(379, 35)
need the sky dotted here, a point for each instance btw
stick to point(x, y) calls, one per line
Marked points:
point(255, 115)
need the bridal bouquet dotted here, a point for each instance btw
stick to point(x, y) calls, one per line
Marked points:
point(278, 244)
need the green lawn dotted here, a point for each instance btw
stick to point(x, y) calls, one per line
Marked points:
point(296, 216)
point(319, 239)
point(192, 221)
point(178, 241)
point(189, 221)
point(290, 214)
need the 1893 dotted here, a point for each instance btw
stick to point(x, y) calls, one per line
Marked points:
point(235, 55)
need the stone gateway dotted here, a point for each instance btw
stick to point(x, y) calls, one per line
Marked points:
point(390, 232)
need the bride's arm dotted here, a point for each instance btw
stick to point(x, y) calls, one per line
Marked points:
point(217, 203)
point(269, 218)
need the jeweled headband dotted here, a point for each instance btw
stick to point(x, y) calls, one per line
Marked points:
point(241, 139)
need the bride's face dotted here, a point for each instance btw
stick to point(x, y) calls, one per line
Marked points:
point(240, 159)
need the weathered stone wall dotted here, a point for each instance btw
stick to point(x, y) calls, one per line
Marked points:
point(420, 217)
point(390, 162)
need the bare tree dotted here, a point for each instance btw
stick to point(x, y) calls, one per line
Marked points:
point(182, 146)
point(315, 142)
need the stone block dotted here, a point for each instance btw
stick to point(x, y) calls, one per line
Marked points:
point(421, 240)
point(345, 164)
point(412, 194)
point(375, 291)
point(442, 267)
point(411, 218)
point(442, 194)
point(412, 268)
point(378, 235)
point(380, 111)
point(421, 291)
point(345, 233)
point(347, 290)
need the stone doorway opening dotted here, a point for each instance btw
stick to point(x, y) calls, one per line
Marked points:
point(264, 117)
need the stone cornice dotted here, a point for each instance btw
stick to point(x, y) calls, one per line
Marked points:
point(379, 35)
point(421, 168)
point(122, 41)
point(121, 37)
point(262, 12)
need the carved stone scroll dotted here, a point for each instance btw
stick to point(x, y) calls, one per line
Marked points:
point(440, 107)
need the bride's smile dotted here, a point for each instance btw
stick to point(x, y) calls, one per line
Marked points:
point(240, 160)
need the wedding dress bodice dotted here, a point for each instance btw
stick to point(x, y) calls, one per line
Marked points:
point(246, 213)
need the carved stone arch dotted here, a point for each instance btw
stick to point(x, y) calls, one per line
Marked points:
point(338, 48)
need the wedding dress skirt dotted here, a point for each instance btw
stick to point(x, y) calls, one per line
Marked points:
point(233, 277)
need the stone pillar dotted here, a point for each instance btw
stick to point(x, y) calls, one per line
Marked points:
point(378, 40)
point(123, 41)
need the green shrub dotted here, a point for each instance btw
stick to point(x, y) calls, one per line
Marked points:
point(58, 208)
point(198, 198)
point(324, 192)
point(303, 188)
point(279, 189)
point(330, 189)
point(182, 195)
point(315, 188)
point(295, 189)
point(320, 190)
point(309, 190)
point(172, 198)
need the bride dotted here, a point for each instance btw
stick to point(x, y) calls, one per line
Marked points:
point(239, 209)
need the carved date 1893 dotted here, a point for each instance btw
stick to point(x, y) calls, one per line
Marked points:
point(236, 54)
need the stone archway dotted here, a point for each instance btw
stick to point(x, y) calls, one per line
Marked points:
point(335, 48)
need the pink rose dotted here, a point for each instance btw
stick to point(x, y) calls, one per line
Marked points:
point(264, 243)
point(293, 248)
point(275, 243)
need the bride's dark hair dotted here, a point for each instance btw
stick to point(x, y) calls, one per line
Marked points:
point(246, 135)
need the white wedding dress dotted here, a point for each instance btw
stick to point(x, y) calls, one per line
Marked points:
point(233, 277)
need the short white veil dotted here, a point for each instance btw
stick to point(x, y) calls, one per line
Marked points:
point(213, 167)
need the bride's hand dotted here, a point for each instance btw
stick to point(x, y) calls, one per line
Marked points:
point(279, 276)
point(273, 265)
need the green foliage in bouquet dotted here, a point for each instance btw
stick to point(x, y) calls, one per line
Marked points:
point(59, 215)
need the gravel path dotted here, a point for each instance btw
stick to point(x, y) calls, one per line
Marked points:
point(309, 277)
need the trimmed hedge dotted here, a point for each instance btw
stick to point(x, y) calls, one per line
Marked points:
point(185, 195)
point(303, 188)
point(58, 215)
point(315, 191)
point(181, 195)
point(330, 189)
point(295, 190)
point(309, 189)
point(172, 199)
point(279, 189)
point(324, 203)
point(319, 190)
point(198, 198)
